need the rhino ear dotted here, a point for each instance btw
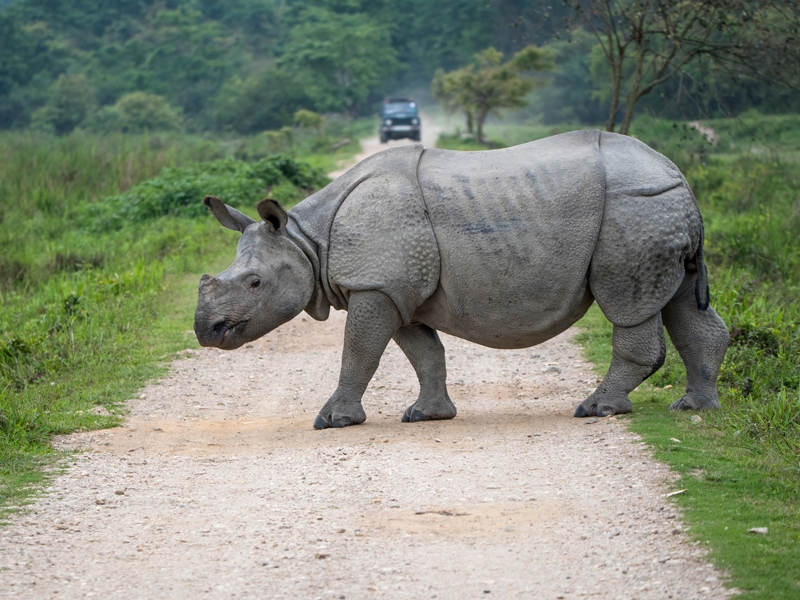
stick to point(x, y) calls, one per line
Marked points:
point(272, 213)
point(227, 216)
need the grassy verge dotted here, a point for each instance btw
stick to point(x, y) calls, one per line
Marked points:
point(500, 135)
point(91, 393)
point(732, 484)
point(740, 465)
point(102, 241)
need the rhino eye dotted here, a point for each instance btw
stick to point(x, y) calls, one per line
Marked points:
point(255, 283)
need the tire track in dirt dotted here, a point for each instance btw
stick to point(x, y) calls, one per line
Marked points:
point(217, 486)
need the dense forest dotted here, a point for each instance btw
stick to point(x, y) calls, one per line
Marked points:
point(249, 65)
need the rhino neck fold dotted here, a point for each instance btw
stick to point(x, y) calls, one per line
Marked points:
point(319, 306)
point(311, 225)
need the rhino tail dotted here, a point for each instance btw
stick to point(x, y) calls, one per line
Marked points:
point(702, 294)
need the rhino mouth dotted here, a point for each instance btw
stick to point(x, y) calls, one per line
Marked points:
point(219, 334)
point(231, 328)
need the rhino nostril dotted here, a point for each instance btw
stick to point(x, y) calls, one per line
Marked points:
point(218, 327)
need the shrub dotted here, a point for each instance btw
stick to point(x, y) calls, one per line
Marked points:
point(138, 112)
point(71, 98)
point(308, 119)
point(178, 192)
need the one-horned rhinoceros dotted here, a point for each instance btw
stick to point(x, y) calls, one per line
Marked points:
point(505, 248)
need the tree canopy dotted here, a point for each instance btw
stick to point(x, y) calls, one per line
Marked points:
point(339, 58)
point(236, 64)
point(643, 44)
point(249, 65)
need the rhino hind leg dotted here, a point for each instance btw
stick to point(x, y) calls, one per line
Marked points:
point(372, 320)
point(701, 338)
point(637, 353)
point(425, 352)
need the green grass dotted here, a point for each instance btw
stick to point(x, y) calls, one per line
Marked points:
point(456, 141)
point(102, 241)
point(733, 483)
point(155, 326)
point(750, 135)
point(88, 338)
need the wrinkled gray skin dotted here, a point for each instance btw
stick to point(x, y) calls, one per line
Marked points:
point(505, 248)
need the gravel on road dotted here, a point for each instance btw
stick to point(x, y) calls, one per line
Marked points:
point(217, 486)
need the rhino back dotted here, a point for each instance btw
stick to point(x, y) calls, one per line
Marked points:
point(516, 229)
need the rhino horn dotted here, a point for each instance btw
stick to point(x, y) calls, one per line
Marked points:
point(208, 283)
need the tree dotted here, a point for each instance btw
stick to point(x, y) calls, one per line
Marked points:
point(71, 98)
point(138, 112)
point(265, 100)
point(489, 85)
point(645, 43)
point(148, 112)
point(570, 94)
point(339, 58)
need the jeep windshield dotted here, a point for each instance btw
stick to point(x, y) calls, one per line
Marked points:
point(392, 108)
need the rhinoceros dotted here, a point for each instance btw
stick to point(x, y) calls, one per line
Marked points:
point(505, 248)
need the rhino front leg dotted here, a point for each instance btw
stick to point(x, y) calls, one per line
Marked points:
point(372, 320)
point(637, 353)
point(425, 352)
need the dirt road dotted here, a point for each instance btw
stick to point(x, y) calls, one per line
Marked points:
point(218, 487)
point(430, 133)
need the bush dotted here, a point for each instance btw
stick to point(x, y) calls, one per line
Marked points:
point(308, 119)
point(138, 112)
point(71, 98)
point(178, 192)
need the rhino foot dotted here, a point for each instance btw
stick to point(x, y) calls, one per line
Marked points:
point(430, 411)
point(697, 401)
point(604, 406)
point(341, 416)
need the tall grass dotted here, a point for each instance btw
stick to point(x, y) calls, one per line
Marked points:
point(97, 237)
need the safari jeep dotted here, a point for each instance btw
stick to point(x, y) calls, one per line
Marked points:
point(400, 119)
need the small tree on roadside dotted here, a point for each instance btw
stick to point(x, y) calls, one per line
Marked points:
point(488, 85)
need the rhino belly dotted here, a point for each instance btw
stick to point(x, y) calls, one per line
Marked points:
point(515, 229)
point(499, 322)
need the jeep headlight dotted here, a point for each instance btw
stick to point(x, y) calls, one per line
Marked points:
point(387, 122)
point(415, 121)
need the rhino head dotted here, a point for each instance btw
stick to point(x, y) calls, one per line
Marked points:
point(270, 282)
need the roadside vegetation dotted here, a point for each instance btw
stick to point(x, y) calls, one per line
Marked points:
point(102, 240)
